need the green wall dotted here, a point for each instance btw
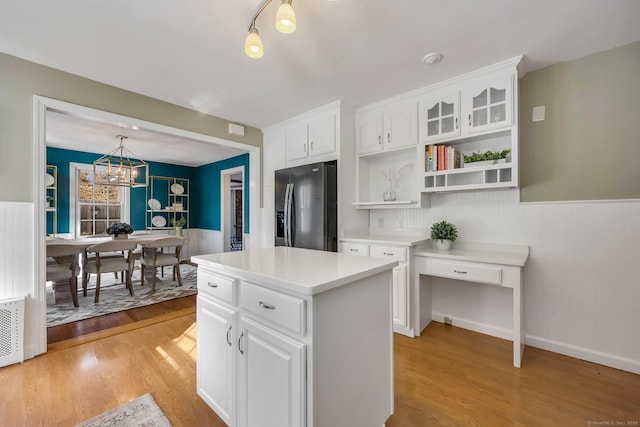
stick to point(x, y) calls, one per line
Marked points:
point(20, 80)
point(588, 147)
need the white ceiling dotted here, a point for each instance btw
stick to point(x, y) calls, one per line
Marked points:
point(191, 53)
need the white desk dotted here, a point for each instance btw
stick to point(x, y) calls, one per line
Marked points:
point(500, 265)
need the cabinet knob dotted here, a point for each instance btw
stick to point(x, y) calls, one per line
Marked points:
point(267, 306)
point(229, 340)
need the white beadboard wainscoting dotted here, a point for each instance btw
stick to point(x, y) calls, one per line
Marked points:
point(17, 269)
point(581, 282)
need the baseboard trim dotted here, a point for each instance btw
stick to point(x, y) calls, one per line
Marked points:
point(482, 328)
point(606, 359)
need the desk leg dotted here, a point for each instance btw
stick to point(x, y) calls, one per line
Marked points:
point(422, 296)
point(518, 324)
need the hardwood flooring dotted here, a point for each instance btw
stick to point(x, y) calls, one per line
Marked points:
point(447, 377)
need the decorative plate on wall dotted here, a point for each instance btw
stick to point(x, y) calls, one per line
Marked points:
point(48, 180)
point(159, 221)
point(154, 204)
point(177, 189)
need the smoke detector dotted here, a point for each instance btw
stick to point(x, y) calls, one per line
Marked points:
point(432, 58)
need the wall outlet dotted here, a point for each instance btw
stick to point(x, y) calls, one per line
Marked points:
point(448, 320)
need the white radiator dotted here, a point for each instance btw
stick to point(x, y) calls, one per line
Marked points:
point(11, 331)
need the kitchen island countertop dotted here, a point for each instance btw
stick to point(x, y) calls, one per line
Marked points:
point(301, 271)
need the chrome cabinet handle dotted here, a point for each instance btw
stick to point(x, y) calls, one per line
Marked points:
point(456, 123)
point(267, 306)
point(459, 271)
point(379, 139)
point(239, 342)
point(469, 119)
point(304, 147)
point(389, 137)
point(388, 253)
point(228, 340)
point(354, 250)
point(311, 145)
point(212, 285)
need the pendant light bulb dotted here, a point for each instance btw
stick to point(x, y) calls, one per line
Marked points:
point(253, 44)
point(286, 18)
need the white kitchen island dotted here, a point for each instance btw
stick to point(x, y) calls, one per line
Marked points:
point(295, 337)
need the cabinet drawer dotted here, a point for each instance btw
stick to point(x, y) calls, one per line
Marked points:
point(215, 285)
point(482, 273)
point(391, 252)
point(355, 248)
point(284, 310)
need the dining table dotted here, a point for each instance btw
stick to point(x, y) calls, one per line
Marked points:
point(85, 244)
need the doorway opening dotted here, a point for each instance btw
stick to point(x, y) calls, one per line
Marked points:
point(232, 208)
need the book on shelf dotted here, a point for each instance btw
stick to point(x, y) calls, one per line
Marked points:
point(442, 157)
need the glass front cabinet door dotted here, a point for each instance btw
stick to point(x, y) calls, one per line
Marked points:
point(440, 116)
point(489, 105)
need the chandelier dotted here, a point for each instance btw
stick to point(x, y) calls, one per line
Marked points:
point(285, 23)
point(122, 168)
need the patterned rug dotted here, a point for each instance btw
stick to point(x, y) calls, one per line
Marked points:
point(142, 411)
point(114, 296)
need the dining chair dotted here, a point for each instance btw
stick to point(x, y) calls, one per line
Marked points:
point(66, 266)
point(153, 257)
point(110, 264)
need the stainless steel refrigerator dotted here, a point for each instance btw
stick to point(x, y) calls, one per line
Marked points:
point(307, 207)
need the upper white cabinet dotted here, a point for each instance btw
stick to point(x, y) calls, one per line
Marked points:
point(310, 137)
point(488, 105)
point(387, 128)
point(440, 116)
point(471, 114)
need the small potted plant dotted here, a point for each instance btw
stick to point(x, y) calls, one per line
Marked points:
point(443, 233)
point(178, 223)
point(119, 230)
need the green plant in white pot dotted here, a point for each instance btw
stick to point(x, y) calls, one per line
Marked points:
point(443, 233)
point(178, 223)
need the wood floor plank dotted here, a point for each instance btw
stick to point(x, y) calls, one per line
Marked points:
point(446, 377)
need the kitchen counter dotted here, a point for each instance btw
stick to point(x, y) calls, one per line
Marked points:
point(301, 271)
point(405, 237)
point(516, 255)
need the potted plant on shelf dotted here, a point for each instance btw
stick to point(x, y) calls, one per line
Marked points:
point(443, 233)
point(487, 158)
point(119, 230)
point(178, 223)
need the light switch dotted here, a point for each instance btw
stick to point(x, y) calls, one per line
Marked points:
point(538, 114)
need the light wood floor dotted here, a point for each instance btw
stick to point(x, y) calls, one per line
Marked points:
point(447, 377)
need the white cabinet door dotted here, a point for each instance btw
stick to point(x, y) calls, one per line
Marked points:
point(216, 373)
point(369, 132)
point(322, 134)
point(272, 378)
point(400, 297)
point(296, 136)
point(400, 125)
point(440, 116)
point(488, 105)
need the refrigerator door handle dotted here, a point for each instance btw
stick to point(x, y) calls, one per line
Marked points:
point(288, 215)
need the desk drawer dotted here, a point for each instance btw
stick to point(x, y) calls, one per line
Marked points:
point(218, 286)
point(389, 252)
point(361, 249)
point(472, 272)
point(285, 310)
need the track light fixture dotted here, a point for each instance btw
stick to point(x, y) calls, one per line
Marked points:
point(285, 23)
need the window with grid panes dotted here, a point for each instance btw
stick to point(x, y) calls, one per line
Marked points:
point(99, 205)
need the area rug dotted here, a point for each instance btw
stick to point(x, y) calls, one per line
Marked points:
point(114, 296)
point(143, 411)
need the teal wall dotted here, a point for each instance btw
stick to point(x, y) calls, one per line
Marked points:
point(205, 187)
point(206, 194)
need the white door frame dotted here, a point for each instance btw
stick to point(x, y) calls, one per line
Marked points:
point(36, 337)
point(225, 203)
